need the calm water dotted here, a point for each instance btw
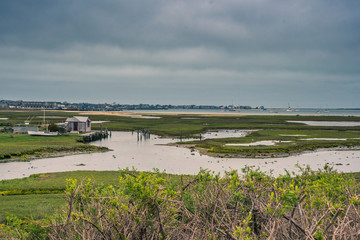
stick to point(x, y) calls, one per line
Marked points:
point(150, 154)
point(295, 111)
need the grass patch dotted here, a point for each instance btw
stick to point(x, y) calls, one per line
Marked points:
point(40, 195)
point(30, 206)
point(56, 181)
point(23, 146)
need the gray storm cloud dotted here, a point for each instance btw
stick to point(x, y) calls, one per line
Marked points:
point(254, 52)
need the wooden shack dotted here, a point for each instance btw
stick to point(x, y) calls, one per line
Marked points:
point(78, 124)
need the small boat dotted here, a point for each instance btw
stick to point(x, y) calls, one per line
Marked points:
point(289, 109)
point(42, 133)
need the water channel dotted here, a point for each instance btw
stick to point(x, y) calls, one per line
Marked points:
point(127, 151)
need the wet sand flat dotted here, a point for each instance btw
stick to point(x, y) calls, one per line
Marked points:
point(150, 154)
point(328, 123)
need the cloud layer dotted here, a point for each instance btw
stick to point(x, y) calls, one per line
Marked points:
point(252, 52)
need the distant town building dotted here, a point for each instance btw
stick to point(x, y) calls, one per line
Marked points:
point(78, 124)
point(39, 105)
point(29, 104)
point(3, 104)
point(245, 107)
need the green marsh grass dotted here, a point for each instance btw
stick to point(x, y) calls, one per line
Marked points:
point(185, 126)
point(36, 206)
point(288, 141)
point(25, 197)
point(24, 146)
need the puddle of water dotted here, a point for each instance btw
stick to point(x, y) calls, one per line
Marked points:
point(147, 155)
point(141, 116)
point(99, 121)
point(263, 143)
point(226, 134)
point(293, 135)
point(259, 143)
point(328, 123)
point(325, 139)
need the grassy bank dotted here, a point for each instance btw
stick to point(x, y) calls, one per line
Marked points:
point(30, 206)
point(22, 147)
point(41, 195)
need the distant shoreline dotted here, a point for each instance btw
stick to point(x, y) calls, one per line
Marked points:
point(207, 113)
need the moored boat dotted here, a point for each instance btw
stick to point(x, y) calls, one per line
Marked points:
point(42, 133)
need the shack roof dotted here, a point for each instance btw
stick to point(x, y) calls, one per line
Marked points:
point(78, 119)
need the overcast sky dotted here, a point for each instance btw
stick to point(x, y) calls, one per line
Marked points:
point(249, 52)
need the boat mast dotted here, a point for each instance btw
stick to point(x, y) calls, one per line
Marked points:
point(44, 119)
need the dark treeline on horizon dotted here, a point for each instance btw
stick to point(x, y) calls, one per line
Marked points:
point(20, 104)
point(53, 105)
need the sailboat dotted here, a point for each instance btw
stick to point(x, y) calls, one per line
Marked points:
point(289, 109)
point(43, 133)
point(232, 109)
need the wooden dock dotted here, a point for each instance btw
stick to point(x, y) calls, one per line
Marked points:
point(93, 136)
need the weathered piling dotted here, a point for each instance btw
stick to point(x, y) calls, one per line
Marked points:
point(143, 134)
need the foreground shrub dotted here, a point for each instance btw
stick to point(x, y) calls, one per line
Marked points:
point(251, 205)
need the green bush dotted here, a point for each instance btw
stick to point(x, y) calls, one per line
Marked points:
point(251, 205)
point(53, 128)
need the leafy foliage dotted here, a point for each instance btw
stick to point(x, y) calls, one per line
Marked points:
point(54, 128)
point(251, 205)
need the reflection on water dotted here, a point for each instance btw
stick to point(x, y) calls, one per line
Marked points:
point(328, 123)
point(226, 133)
point(295, 111)
point(223, 133)
point(150, 154)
